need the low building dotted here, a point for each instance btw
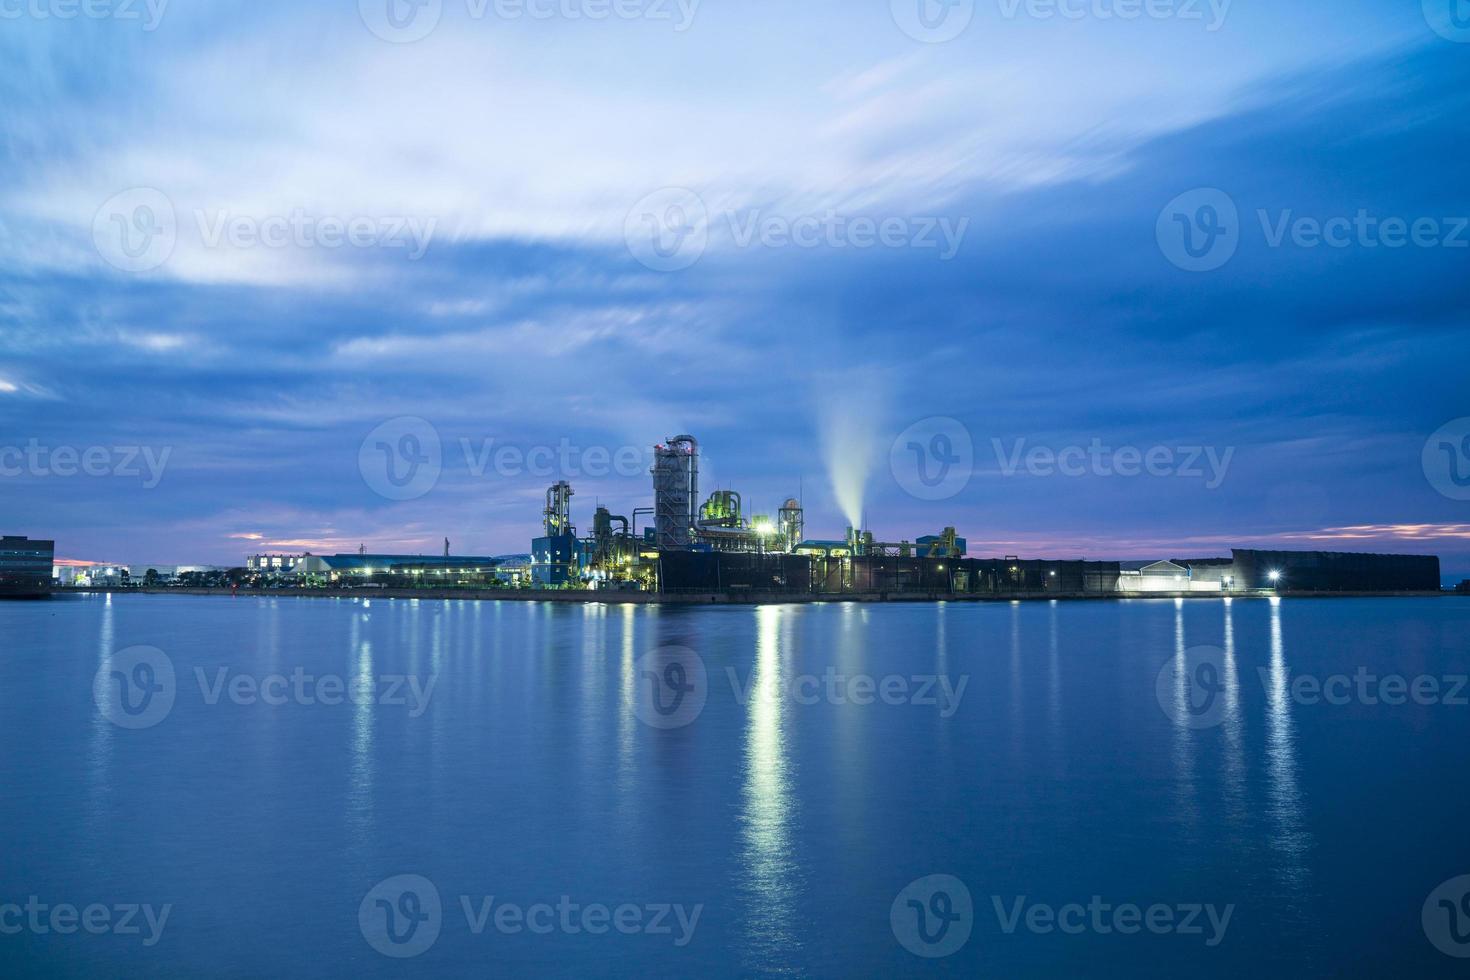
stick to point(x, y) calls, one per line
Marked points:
point(277, 564)
point(1335, 571)
point(1151, 576)
point(400, 570)
point(557, 561)
point(25, 567)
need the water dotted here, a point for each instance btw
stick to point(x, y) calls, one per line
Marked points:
point(1065, 770)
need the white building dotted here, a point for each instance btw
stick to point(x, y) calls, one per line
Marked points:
point(1162, 576)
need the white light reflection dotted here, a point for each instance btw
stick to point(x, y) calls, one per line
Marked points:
point(1290, 838)
point(767, 814)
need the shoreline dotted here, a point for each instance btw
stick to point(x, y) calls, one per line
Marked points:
point(730, 599)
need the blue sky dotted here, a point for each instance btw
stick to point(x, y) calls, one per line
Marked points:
point(459, 223)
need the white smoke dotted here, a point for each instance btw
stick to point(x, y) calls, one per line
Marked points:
point(850, 420)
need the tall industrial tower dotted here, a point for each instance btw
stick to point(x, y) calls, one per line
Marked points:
point(558, 513)
point(675, 492)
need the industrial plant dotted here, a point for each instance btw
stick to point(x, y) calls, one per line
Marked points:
point(689, 547)
point(714, 546)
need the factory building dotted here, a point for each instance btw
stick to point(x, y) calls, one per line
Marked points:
point(119, 575)
point(717, 546)
point(1172, 576)
point(1331, 571)
point(274, 564)
point(408, 570)
point(25, 567)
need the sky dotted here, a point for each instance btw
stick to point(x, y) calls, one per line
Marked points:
point(1101, 278)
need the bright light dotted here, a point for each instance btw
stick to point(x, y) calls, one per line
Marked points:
point(1275, 576)
point(764, 529)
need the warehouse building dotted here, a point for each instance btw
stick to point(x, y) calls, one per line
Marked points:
point(25, 567)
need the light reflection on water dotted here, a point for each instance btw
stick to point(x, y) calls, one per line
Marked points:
point(530, 774)
point(1290, 839)
point(770, 871)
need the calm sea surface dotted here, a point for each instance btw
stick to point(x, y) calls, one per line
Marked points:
point(350, 788)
